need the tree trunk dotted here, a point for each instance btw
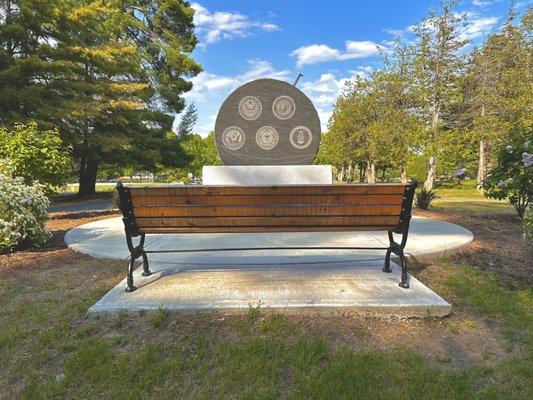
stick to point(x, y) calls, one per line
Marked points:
point(432, 161)
point(340, 176)
point(383, 174)
point(88, 172)
point(432, 173)
point(371, 173)
point(482, 168)
point(349, 172)
point(362, 171)
point(403, 176)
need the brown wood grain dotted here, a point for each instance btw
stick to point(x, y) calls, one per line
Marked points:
point(266, 200)
point(285, 208)
point(288, 190)
point(254, 229)
point(266, 211)
point(267, 221)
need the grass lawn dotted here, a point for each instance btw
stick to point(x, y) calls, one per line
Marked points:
point(467, 199)
point(50, 348)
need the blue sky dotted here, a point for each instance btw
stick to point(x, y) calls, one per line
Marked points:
point(328, 42)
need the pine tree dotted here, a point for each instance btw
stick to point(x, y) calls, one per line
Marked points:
point(497, 88)
point(438, 64)
point(110, 74)
point(186, 125)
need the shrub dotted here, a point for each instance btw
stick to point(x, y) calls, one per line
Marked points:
point(36, 155)
point(512, 176)
point(424, 198)
point(22, 212)
point(528, 225)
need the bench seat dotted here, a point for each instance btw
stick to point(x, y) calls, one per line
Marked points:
point(285, 208)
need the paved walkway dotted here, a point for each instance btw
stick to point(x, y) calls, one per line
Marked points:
point(347, 281)
point(86, 205)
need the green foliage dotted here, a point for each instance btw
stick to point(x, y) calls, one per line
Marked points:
point(510, 179)
point(22, 212)
point(416, 166)
point(424, 198)
point(528, 225)
point(201, 151)
point(437, 62)
point(36, 155)
point(109, 74)
point(371, 126)
point(433, 100)
point(187, 122)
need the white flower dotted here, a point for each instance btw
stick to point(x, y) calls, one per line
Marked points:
point(509, 149)
point(501, 183)
point(527, 159)
point(23, 213)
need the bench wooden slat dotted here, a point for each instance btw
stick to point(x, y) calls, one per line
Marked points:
point(297, 190)
point(254, 229)
point(265, 211)
point(264, 200)
point(267, 221)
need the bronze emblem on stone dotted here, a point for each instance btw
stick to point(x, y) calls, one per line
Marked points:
point(283, 107)
point(233, 138)
point(250, 108)
point(267, 137)
point(254, 125)
point(300, 137)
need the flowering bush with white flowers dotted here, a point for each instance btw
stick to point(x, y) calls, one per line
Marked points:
point(512, 176)
point(22, 212)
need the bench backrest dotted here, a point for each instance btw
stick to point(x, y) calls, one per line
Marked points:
point(286, 208)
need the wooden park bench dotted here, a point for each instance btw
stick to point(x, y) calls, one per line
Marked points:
point(286, 208)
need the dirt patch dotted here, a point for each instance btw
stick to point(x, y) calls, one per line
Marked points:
point(498, 244)
point(54, 253)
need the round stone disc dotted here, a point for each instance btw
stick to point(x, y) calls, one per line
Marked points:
point(267, 122)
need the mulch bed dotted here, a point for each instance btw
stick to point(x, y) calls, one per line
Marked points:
point(498, 244)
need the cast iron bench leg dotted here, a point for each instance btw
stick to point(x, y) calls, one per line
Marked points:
point(130, 287)
point(405, 277)
point(397, 248)
point(136, 252)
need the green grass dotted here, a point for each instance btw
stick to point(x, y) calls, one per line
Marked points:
point(491, 296)
point(107, 187)
point(161, 355)
point(467, 199)
point(50, 349)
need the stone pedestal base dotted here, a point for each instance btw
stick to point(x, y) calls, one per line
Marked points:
point(267, 175)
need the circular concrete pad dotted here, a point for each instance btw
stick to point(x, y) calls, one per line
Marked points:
point(105, 239)
point(317, 280)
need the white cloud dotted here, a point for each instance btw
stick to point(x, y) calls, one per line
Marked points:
point(521, 4)
point(318, 53)
point(482, 3)
point(209, 90)
point(215, 26)
point(325, 90)
point(477, 26)
point(205, 83)
point(474, 26)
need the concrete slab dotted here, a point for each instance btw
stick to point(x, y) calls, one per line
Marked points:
point(332, 288)
point(267, 175)
point(310, 280)
point(105, 239)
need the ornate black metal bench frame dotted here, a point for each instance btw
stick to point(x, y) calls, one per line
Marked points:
point(131, 230)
